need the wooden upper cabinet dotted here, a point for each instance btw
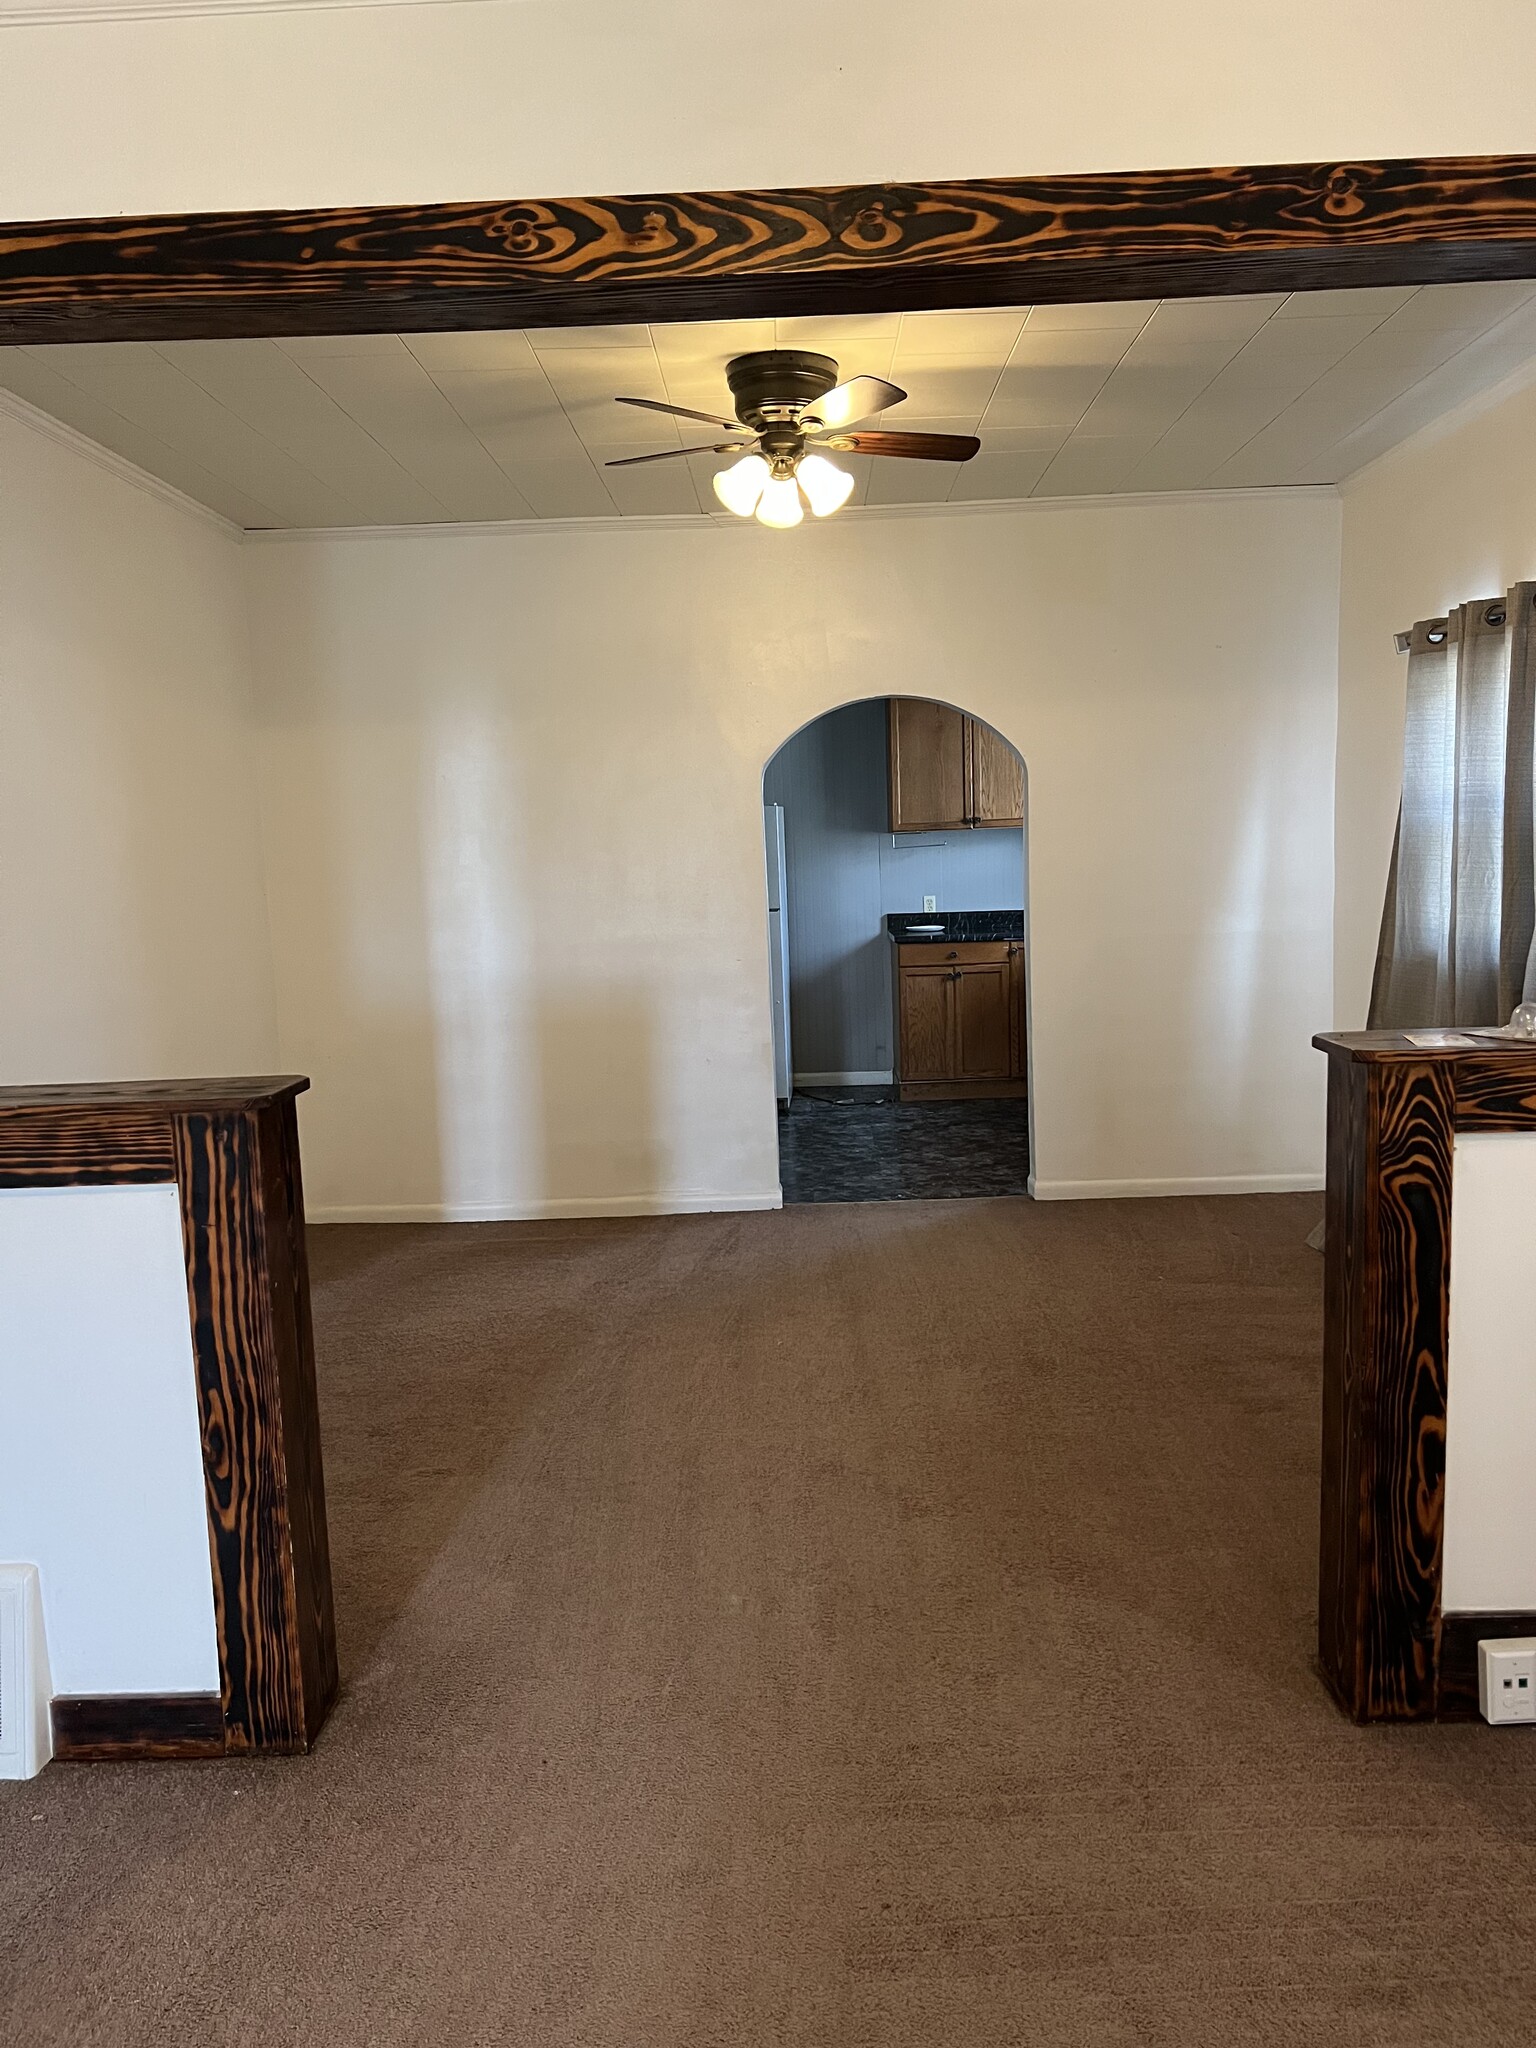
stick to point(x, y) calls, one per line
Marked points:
point(928, 759)
point(997, 777)
point(948, 770)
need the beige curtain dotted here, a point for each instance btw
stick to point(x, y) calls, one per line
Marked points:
point(1457, 927)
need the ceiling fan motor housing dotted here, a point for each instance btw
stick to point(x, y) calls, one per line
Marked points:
point(772, 386)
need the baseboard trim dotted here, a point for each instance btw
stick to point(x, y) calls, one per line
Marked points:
point(687, 1204)
point(1211, 1184)
point(875, 1077)
point(115, 1728)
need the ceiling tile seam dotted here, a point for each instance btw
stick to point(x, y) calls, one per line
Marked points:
point(997, 379)
point(489, 453)
point(1131, 332)
point(581, 441)
point(1300, 395)
point(364, 429)
point(555, 401)
point(576, 431)
point(197, 458)
point(1435, 370)
point(901, 328)
point(666, 385)
point(1236, 356)
point(1470, 408)
point(160, 442)
point(1362, 426)
point(1289, 404)
point(261, 434)
point(1066, 444)
point(121, 466)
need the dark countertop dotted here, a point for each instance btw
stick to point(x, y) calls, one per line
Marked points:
point(959, 927)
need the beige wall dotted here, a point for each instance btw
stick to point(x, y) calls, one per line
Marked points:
point(511, 788)
point(501, 98)
point(133, 933)
point(1449, 516)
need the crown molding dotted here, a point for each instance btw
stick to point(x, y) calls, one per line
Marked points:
point(61, 13)
point(49, 429)
point(127, 472)
point(662, 522)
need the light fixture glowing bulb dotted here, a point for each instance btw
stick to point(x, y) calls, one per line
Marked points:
point(780, 503)
point(825, 485)
point(739, 487)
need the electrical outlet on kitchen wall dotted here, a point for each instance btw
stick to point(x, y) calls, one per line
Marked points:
point(1506, 1678)
point(930, 903)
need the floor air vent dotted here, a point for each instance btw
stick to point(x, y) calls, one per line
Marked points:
point(26, 1741)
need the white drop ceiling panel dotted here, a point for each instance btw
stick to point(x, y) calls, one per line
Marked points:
point(384, 429)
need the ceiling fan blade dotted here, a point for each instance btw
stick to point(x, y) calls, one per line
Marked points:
point(683, 412)
point(855, 400)
point(918, 447)
point(673, 454)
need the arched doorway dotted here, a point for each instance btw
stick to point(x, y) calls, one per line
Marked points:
point(898, 939)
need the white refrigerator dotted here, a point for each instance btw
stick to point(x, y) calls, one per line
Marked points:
point(778, 948)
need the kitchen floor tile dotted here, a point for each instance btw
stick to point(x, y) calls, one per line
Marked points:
point(862, 1145)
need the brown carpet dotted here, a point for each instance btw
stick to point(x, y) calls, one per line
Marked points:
point(875, 1626)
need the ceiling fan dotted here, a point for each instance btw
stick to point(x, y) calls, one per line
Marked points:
point(789, 403)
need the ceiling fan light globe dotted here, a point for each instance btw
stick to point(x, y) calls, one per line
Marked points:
point(739, 487)
point(827, 488)
point(780, 504)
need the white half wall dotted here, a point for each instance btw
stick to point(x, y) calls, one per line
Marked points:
point(1449, 516)
point(512, 803)
point(1490, 1422)
point(101, 1470)
point(133, 925)
point(506, 99)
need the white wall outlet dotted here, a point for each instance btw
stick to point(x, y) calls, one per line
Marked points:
point(930, 903)
point(1506, 1678)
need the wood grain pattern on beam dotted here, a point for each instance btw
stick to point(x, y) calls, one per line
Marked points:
point(1384, 1646)
point(1342, 1586)
point(1496, 1092)
point(737, 255)
point(247, 1092)
point(231, 1147)
point(311, 1628)
point(276, 1686)
point(1413, 1124)
point(52, 1148)
point(136, 1727)
point(1391, 1130)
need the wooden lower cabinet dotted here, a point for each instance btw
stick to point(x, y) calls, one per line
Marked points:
point(959, 1015)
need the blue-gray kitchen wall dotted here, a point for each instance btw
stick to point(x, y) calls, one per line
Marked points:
point(847, 872)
